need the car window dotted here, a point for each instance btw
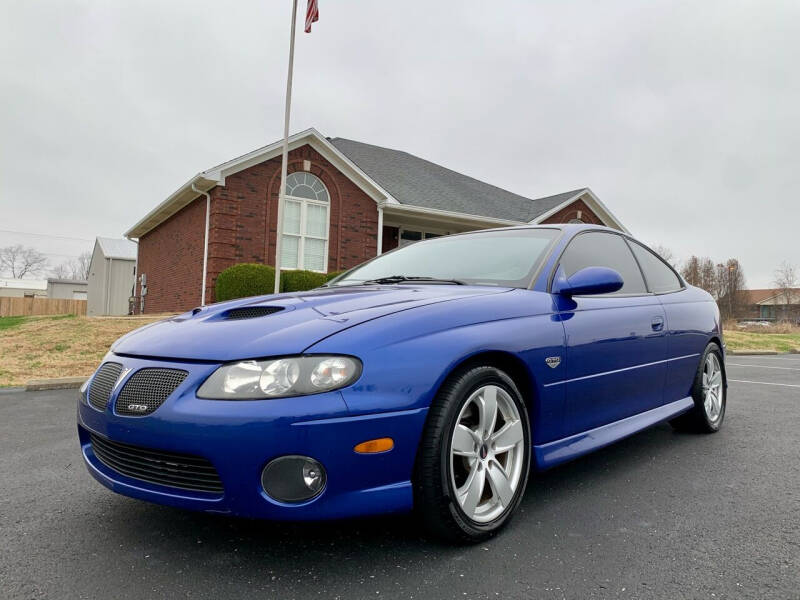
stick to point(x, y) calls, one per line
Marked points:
point(600, 249)
point(660, 278)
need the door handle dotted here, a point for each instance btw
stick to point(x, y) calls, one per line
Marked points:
point(657, 323)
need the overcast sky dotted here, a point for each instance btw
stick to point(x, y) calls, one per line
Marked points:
point(681, 116)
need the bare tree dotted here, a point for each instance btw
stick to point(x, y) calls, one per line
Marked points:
point(82, 263)
point(785, 284)
point(708, 276)
point(665, 253)
point(691, 271)
point(74, 269)
point(701, 272)
point(20, 261)
point(62, 271)
point(730, 287)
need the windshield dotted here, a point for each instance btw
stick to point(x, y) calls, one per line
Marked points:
point(507, 258)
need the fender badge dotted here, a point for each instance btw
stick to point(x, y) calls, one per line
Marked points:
point(553, 361)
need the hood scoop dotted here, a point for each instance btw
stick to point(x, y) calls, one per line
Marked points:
point(249, 312)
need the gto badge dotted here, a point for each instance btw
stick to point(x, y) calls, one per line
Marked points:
point(553, 361)
point(137, 407)
point(122, 375)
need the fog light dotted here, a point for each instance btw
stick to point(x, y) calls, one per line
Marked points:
point(293, 478)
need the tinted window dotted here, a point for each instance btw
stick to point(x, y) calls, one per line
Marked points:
point(659, 276)
point(604, 250)
point(505, 258)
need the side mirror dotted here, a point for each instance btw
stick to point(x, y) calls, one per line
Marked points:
point(587, 282)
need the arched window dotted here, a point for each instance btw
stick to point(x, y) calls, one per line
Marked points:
point(305, 223)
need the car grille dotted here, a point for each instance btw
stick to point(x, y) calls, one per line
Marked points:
point(251, 312)
point(147, 389)
point(103, 383)
point(156, 466)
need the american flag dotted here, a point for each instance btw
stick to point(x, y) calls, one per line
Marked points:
point(312, 14)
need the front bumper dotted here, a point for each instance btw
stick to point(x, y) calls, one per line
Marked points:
point(240, 437)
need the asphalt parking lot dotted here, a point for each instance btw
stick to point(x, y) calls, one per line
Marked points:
point(659, 515)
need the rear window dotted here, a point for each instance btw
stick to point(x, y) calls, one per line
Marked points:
point(660, 278)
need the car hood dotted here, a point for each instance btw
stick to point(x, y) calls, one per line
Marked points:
point(220, 333)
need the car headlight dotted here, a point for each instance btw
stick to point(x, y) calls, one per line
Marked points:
point(280, 377)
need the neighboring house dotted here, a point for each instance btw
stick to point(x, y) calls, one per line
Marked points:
point(69, 289)
point(772, 305)
point(346, 202)
point(23, 288)
point(112, 276)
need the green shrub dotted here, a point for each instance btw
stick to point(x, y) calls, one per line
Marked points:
point(246, 279)
point(330, 276)
point(299, 281)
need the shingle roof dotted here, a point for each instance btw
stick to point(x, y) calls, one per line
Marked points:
point(119, 249)
point(760, 295)
point(418, 182)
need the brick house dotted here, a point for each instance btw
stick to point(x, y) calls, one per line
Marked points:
point(346, 202)
point(771, 305)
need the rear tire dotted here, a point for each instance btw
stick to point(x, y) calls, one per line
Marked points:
point(710, 395)
point(474, 457)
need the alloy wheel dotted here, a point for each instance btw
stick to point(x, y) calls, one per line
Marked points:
point(712, 388)
point(487, 453)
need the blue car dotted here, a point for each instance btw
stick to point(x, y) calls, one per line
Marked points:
point(433, 377)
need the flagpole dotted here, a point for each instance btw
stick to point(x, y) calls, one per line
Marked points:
point(285, 157)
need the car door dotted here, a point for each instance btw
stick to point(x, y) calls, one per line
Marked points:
point(687, 324)
point(615, 343)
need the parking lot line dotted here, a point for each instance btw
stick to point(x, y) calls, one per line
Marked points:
point(730, 364)
point(765, 357)
point(791, 385)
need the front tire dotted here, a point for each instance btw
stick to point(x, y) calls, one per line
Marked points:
point(710, 395)
point(474, 457)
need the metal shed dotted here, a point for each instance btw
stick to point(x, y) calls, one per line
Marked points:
point(112, 275)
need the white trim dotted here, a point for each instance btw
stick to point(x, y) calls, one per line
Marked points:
point(597, 206)
point(174, 202)
point(205, 244)
point(466, 218)
point(379, 243)
point(304, 202)
point(216, 175)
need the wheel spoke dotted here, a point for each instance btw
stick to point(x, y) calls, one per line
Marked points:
point(498, 481)
point(464, 441)
point(506, 438)
point(487, 403)
point(470, 494)
point(716, 378)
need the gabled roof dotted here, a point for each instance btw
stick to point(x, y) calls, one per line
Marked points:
point(760, 296)
point(419, 182)
point(118, 249)
point(390, 177)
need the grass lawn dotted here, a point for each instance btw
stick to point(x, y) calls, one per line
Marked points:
point(757, 340)
point(61, 346)
point(69, 346)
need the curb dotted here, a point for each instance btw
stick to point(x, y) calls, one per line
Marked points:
point(59, 383)
point(754, 352)
point(11, 390)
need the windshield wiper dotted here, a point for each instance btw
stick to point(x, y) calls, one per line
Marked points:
point(401, 278)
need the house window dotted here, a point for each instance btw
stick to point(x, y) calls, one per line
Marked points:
point(409, 236)
point(305, 223)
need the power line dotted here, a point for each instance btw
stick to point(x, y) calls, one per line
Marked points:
point(46, 235)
